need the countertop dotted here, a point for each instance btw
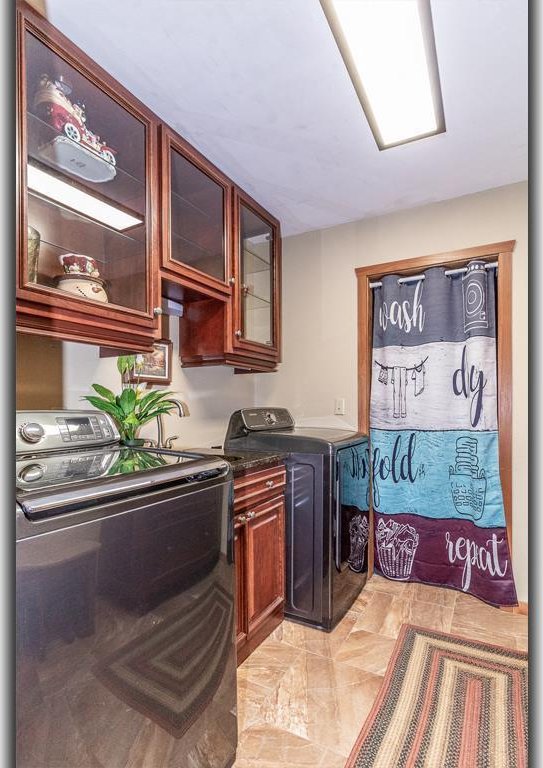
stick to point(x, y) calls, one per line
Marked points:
point(245, 462)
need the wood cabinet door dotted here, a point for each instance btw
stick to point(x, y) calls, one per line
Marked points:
point(265, 561)
point(241, 607)
point(87, 197)
point(256, 313)
point(196, 220)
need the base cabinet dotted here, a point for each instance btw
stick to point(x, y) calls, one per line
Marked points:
point(259, 551)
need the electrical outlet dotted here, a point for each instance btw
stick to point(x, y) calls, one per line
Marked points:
point(339, 406)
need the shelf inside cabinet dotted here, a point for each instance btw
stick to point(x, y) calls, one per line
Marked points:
point(185, 203)
point(254, 263)
point(120, 258)
point(252, 301)
point(137, 233)
point(124, 188)
point(189, 252)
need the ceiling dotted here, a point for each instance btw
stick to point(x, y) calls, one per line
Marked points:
point(259, 87)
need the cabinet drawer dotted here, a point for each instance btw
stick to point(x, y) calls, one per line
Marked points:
point(256, 487)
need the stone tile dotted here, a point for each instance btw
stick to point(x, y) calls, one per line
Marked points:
point(386, 613)
point(314, 640)
point(425, 593)
point(470, 612)
point(323, 702)
point(485, 636)
point(271, 747)
point(251, 701)
point(332, 760)
point(378, 583)
point(522, 642)
point(431, 615)
point(366, 650)
point(373, 614)
point(267, 665)
point(362, 601)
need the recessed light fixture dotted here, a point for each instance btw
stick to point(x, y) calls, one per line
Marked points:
point(53, 188)
point(389, 50)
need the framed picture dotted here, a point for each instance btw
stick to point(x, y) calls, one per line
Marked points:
point(154, 367)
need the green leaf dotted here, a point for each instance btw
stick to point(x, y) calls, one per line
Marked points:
point(104, 391)
point(104, 405)
point(153, 415)
point(127, 401)
point(153, 396)
point(156, 402)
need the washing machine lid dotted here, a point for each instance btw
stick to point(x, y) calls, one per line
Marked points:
point(274, 428)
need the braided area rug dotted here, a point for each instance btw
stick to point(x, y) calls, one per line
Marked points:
point(447, 702)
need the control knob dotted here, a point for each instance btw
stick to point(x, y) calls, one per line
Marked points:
point(31, 432)
point(31, 473)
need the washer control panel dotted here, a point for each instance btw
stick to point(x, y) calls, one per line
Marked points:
point(257, 419)
point(38, 431)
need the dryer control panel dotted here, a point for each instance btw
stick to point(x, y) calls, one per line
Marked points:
point(257, 419)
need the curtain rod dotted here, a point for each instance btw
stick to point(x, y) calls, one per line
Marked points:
point(415, 278)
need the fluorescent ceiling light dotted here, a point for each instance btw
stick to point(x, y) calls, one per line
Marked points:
point(81, 202)
point(389, 50)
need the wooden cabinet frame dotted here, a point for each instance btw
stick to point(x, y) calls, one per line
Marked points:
point(259, 500)
point(500, 252)
point(183, 273)
point(44, 310)
point(244, 346)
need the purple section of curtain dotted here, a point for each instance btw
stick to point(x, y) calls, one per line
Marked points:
point(451, 553)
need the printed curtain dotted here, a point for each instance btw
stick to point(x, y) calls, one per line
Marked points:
point(436, 491)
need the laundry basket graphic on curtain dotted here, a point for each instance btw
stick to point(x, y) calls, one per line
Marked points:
point(437, 498)
point(352, 508)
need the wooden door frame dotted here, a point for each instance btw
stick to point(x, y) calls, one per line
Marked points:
point(500, 252)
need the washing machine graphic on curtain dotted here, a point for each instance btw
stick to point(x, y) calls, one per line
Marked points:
point(351, 516)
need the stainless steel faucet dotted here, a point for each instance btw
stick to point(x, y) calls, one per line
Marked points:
point(183, 410)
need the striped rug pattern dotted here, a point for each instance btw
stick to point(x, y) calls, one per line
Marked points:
point(447, 702)
point(171, 673)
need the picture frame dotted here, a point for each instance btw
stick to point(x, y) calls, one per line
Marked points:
point(154, 367)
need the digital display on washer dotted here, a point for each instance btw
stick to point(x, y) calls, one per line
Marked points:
point(79, 426)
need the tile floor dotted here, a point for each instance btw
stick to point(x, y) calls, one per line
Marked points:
point(303, 695)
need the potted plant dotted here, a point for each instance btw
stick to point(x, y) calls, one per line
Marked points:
point(134, 407)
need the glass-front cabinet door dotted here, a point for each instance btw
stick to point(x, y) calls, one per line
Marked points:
point(86, 239)
point(196, 218)
point(257, 289)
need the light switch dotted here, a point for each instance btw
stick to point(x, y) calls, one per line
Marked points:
point(339, 406)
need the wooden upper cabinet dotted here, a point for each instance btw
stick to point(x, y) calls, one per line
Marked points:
point(87, 266)
point(196, 219)
point(257, 289)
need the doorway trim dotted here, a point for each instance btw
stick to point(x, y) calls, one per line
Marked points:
point(500, 252)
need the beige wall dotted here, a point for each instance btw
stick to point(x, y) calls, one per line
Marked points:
point(319, 314)
point(211, 393)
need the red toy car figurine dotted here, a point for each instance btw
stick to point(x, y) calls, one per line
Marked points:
point(54, 107)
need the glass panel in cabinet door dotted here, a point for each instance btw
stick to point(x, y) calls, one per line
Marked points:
point(197, 218)
point(86, 200)
point(257, 277)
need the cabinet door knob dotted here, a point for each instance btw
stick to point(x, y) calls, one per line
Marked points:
point(238, 334)
point(232, 281)
point(250, 515)
point(157, 311)
point(241, 519)
point(269, 483)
